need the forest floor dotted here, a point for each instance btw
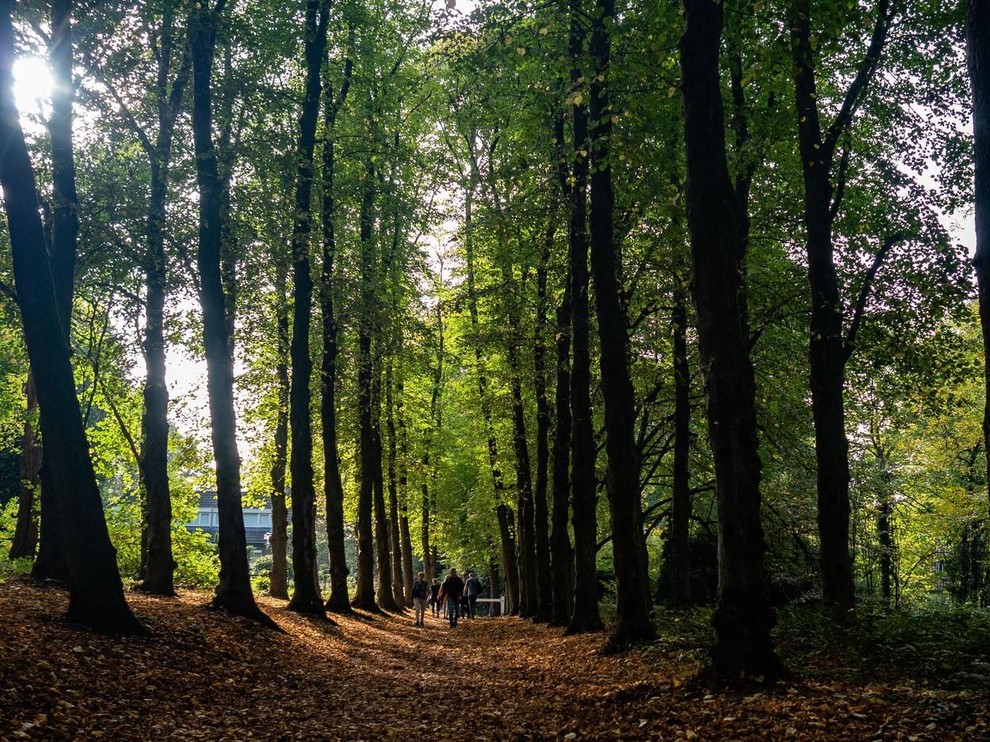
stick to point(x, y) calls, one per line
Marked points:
point(204, 675)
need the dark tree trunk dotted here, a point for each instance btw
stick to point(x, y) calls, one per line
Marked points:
point(383, 550)
point(365, 597)
point(978, 59)
point(828, 348)
point(885, 535)
point(26, 531)
point(306, 596)
point(333, 488)
point(743, 617)
point(278, 578)
point(508, 544)
point(679, 537)
point(561, 551)
point(395, 546)
point(586, 616)
point(429, 560)
point(159, 568)
point(96, 595)
point(234, 591)
point(525, 529)
point(632, 577)
point(405, 540)
point(51, 562)
point(544, 586)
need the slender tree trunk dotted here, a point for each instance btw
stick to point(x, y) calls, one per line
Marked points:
point(278, 578)
point(503, 512)
point(679, 537)
point(632, 578)
point(885, 535)
point(526, 522)
point(743, 617)
point(306, 597)
point(544, 586)
point(405, 540)
point(25, 539)
point(159, 568)
point(586, 616)
point(383, 551)
point(561, 551)
point(51, 562)
point(395, 546)
point(333, 488)
point(429, 559)
point(234, 591)
point(96, 596)
point(978, 60)
point(365, 597)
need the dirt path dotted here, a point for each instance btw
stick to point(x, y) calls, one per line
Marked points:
point(208, 676)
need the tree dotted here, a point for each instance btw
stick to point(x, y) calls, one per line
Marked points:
point(96, 596)
point(743, 617)
point(306, 598)
point(978, 59)
point(234, 591)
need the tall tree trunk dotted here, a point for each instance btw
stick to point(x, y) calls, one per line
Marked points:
point(405, 540)
point(96, 595)
point(365, 597)
point(333, 488)
point(395, 546)
point(561, 551)
point(679, 537)
point(278, 578)
point(306, 596)
point(51, 561)
point(586, 616)
point(743, 616)
point(544, 586)
point(632, 577)
point(526, 522)
point(25, 539)
point(978, 62)
point(828, 348)
point(503, 512)
point(383, 546)
point(234, 591)
point(429, 560)
point(159, 568)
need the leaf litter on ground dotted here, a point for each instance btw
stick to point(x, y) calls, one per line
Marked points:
point(209, 676)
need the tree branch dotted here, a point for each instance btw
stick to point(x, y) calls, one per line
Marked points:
point(864, 291)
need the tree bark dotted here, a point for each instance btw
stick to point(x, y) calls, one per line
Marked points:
point(25, 539)
point(234, 591)
point(405, 540)
point(679, 537)
point(978, 63)
point(306, 596)
point(333, 488)
point(828, 350)
point(544, 586)
point(96, 595)
point(394, 542)
point(743, 617)
point(278, 578)
point(365, 597)
point(586, 615)
point(159, 569)
point(632, 578)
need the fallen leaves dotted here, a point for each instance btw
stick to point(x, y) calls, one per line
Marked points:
point(209, 676)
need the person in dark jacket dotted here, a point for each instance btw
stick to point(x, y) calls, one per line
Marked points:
point(472, 589)
point(451, 590)
point(420, 591)
point(434, 599)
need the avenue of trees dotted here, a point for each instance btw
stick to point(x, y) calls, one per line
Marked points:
point(624, 306)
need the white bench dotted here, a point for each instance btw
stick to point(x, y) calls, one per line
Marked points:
point(499, 601)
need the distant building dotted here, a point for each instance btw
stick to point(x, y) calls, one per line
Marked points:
point(257, 521)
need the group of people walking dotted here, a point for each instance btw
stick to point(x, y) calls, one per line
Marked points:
point(453, 598)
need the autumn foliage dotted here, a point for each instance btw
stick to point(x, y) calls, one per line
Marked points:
point(206, 675)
